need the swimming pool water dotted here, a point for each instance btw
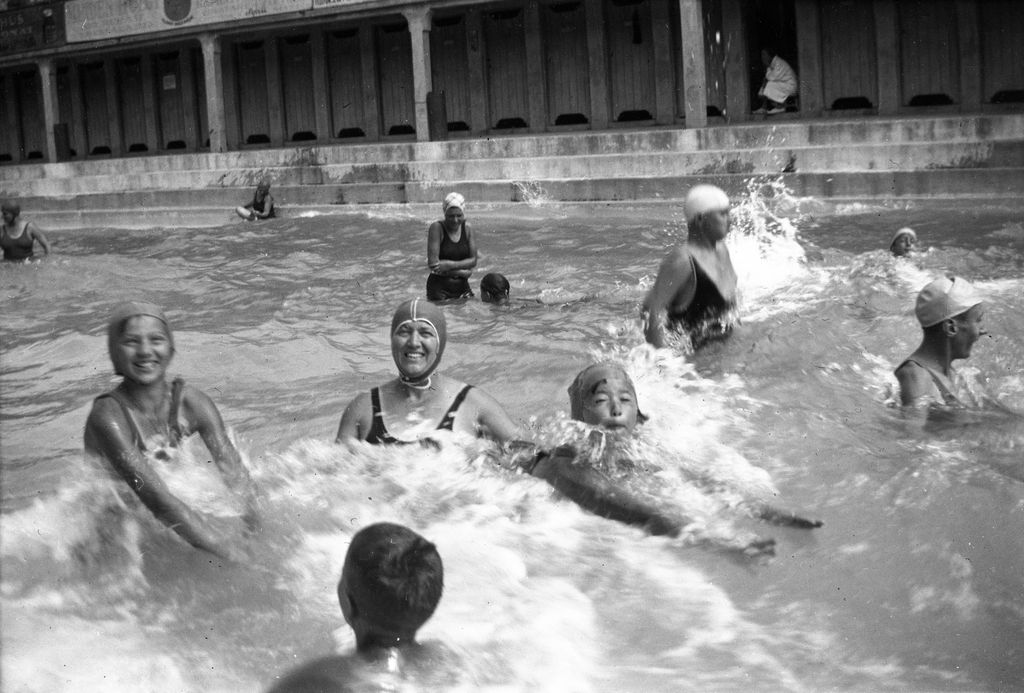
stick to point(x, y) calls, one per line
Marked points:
point(915, 582)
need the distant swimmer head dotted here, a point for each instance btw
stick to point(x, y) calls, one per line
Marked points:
point(391, 583)
point(603, 395)
point(945, 298)
point(704, 198)
point(263, 185)
point(494, 288)
point(903, 242)
point(453, 199)
point(123, 318)
point(419, 333)
point(10, 208)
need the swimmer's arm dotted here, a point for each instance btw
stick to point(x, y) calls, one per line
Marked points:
point(113, 441)
point(455, 268)
point(492, 420)
point(225, 455)
point(785, 518)
point(675, 280)
point(594, 492)
point(356, 420)
point(36, 234)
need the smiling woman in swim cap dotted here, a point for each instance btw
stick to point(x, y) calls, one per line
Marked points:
point(451, 252)
point(146, 418)
point(421, 401)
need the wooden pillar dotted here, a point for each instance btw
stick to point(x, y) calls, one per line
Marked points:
point(809, 58)
point(737, 76)
point(77, 124)
point(887, 44)
point(189, 107)
point(970, 55)
point(113, 107)
point(320, 90)
point(664, 75)
point(214, 77)
point(477, 80)
point(598, 61)
point(48, 80)
point(371, 110)
point(537, 97)
point(12, 142)
point(419, 20)
point(695, 95)
point(149, 101)
point(275, 107)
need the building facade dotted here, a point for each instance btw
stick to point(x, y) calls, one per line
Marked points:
point(86, 79)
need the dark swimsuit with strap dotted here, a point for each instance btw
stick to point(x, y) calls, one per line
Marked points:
point(17, 248)
point(174, 430)
point(378, 434)
point(442, 287)
point(709, 315)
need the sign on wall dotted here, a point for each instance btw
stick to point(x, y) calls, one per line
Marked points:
point(31, 28)
point(89, 20)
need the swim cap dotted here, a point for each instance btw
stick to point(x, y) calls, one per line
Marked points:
point(418, 310)
point(943, 299)
point(494, 287)
point(587, 381)
point(12, 207)
point(704, 198)
point(129, 310)
point(905, 231)
point(453, 200)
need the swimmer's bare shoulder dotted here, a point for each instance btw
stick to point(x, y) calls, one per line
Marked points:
point(916, 385)
point(356, 419)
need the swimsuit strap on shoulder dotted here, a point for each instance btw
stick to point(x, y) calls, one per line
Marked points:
point(173, 423)
point(448, 420)
point(948, 397)
point(378, 433)
point(132, 423)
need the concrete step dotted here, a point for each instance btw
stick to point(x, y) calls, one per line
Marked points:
point(636, 164)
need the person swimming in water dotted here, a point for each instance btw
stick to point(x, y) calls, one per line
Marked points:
point(950, 313)
point(145, 418)
point(494, 288)
point(603, 395)
point(391, 584)
point(420, 401)
point(904, 242)
point(695, 291)
point(18, 237)
point(451, 252)
point(262, 205)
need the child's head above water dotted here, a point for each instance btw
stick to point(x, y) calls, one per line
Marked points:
point(494, 288)
point(123, 316)
point(903, 242)
point(390, 585)
point(603, 395)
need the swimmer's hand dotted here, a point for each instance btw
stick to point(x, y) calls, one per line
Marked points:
point(223, 538)
point(786, 518)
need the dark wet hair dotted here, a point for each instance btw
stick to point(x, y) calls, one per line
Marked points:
point(12, 207)
point(394, 576)
point(494, 288)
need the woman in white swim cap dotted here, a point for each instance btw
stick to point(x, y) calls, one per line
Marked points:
point(451, 252)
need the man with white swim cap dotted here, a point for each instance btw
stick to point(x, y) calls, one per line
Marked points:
point(695, 291)
point(950, 313)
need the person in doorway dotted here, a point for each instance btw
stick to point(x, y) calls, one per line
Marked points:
point(421, 402)
point(262, 205)
point(694, 293)
point(139, 426)
point(451, 252)
point(950, 313)
point(903, 243)
point(779, 83)
point(18, 237)
point(391, 584)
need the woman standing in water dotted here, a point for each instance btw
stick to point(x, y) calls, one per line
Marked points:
point(421, 401)
point(451, 252)
point(142, 422)
point(17, 237)
point(695, 290)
